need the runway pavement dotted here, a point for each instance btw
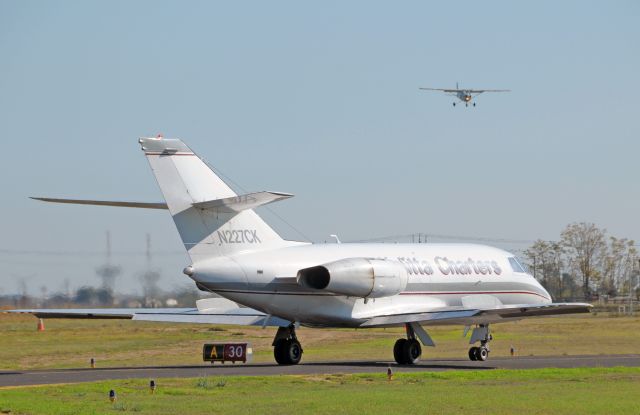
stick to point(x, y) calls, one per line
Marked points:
point(40, 377)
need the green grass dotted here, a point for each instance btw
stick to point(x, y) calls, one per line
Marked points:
point(539, 391)
point(72, 343)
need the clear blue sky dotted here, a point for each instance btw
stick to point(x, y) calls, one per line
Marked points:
point(321, 100)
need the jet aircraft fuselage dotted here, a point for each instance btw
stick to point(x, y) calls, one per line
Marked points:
point(439, 276)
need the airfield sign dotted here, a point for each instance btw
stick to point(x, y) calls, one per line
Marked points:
point(227, 352)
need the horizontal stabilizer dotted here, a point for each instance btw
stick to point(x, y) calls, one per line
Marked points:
point(141, 205)
point(239, 203)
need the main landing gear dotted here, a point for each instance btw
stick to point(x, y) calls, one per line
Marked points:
point(286, 347)
point(407, 351)
point(481, 334)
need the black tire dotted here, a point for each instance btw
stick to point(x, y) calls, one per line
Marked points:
point(412, 352)
point(398, 351)
point(472, 354)
point(293, 352)
point(279, 352)
point(482, 353)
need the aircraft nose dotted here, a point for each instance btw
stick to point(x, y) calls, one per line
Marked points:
point(542, 290)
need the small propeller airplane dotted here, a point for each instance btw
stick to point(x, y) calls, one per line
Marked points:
point(465, 95)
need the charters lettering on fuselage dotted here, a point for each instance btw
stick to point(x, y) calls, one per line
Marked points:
point(240, 236)
point(415, 266)
point(450, 267)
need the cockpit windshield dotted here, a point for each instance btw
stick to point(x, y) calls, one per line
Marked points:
point(517, 265)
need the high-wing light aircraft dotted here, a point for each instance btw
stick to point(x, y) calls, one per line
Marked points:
point(268, 281)
point(465, 95)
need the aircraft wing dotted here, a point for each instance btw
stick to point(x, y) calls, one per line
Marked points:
point(480, 91)
point(468, 316)
point(208, 311)
point(443, 90)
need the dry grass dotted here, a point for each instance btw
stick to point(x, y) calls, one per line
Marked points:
point(72, 343)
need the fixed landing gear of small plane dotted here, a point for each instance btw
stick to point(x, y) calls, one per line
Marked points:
point(286, 348)
point(480, 353)
point(407, 351)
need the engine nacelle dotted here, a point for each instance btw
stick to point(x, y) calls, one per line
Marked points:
point(356, 277)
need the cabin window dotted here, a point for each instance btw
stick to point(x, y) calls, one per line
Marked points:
point(515, 265)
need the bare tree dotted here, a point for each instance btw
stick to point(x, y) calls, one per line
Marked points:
point(617, 264)
point(545, 260)
point(627, 255)
point(584, 244)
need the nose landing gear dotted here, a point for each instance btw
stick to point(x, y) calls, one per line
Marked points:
point(480, 353)
point(287, 350)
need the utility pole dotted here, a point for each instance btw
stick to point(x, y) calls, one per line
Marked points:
point(631, 288)
point(108, 272)
point(150, 277)
point(148, 250)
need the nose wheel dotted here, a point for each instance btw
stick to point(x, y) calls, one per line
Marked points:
point(481, 334)
point(479, 353)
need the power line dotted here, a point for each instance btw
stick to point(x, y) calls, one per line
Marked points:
point(84, 253)
point(228, 179)
point(429, 236)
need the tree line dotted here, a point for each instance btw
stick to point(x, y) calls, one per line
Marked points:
point(586, 263)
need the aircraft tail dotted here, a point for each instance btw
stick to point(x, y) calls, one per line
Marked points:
point(212, 219)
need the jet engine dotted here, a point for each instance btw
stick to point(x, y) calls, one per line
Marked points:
point(356, 277)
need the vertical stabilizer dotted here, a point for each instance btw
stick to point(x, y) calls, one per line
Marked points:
point(206, 230)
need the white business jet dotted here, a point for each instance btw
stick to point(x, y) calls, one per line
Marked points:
point(268, 281)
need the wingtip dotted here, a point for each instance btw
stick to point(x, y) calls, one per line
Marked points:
point(281, 194)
